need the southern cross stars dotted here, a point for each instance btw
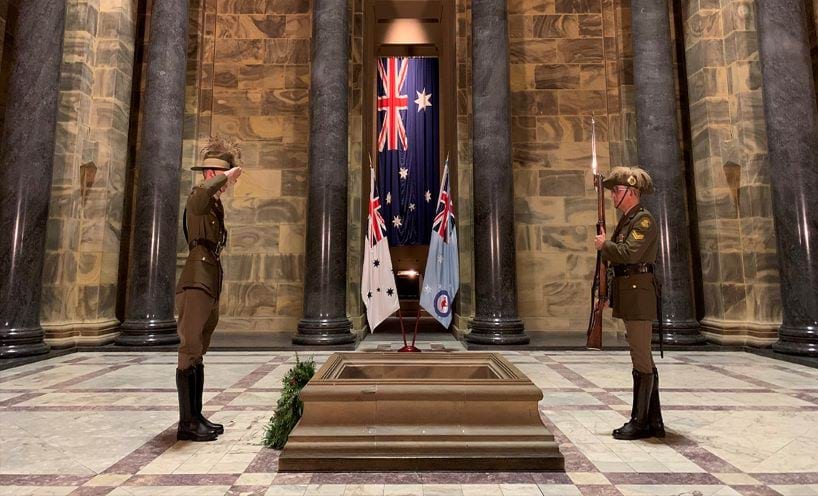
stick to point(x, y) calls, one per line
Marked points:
point(428, 196)
point(389, 198)
point(404, 172)
point(423, 100)
point(396, 221)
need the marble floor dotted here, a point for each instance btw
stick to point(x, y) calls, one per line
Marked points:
point(91, 424)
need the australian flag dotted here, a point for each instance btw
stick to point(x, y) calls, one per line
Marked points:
point(408, 146)
point(442, 278)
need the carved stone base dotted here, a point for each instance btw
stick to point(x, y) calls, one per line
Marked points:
point(64, 335)
point(497, 332)
point(147, 333)
point(324, 332)
point(739, 333)
point(429, 411)
point(797, 340)
point(684, 333)
point(15, 343)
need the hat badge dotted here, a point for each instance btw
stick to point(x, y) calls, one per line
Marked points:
point(632, 180)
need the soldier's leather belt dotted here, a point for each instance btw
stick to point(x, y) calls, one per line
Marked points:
point(630, 269)
point(210, 245)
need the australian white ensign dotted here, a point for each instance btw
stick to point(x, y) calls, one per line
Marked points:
point(378, 288)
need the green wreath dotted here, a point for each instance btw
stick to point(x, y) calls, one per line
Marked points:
point(289, 407)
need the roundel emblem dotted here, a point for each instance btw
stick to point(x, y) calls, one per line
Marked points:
point(443, 306)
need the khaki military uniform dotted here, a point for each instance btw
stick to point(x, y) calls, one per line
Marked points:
point(631, 252)
point(199, 287)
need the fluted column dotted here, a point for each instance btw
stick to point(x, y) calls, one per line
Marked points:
point(496, 321)
point(325, 321)
point(26, 169)
point(659, 154)
point(792, 137)
point(149, 316)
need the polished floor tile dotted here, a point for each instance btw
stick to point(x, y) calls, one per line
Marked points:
point(90, 424)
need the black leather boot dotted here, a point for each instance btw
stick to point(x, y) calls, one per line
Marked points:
point(639, 428)
point(218, 428)
point(190, 428)
point(636, 377)
point(657, 426)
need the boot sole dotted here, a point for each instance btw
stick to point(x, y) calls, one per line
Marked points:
point(653, 433)
point(186, 436)
point(633, 438)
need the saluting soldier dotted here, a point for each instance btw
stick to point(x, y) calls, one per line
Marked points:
point(631, 253)
point(199, 287)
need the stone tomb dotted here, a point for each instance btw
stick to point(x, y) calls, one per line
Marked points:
point(415, 412)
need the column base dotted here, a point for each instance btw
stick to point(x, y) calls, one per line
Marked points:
point(797, 340)
point(22, 342)
point(497, 332)
point(680, 333)
point(324, 332)
point(147, 333)
point(739, 333)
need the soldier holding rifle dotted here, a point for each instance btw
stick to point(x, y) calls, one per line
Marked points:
point(631, 252)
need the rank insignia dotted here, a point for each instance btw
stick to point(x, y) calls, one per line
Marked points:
point(637, 236)
point(644, 223)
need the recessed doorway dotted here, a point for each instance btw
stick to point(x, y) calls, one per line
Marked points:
point(409, 72)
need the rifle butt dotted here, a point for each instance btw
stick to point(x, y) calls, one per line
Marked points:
point(594, 336)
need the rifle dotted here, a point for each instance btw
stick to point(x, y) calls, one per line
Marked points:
point(599, 289)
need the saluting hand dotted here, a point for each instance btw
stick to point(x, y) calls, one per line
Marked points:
point(233, 175)
point(599, 240)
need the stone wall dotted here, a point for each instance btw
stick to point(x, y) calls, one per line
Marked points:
point(253, 84)
point(568, 60)
point(248, 77)
point(84, 225)
point(566, 65)
point(731, 170)
point(463, 194)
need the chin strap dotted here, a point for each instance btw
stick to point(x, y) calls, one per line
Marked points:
point(184, 226)
point(623, 198)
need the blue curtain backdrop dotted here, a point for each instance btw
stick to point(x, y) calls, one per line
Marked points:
point(408, 148)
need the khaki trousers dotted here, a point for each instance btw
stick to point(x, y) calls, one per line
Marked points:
point(198, 316)
point(639, 333)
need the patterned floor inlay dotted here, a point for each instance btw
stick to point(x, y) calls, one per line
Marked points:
point(94, 424)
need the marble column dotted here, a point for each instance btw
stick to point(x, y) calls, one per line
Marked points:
point(26, 168)
point(149, 318)
point(325, 320)
point(792, 137)
point(496, 321)
point(659, 153)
